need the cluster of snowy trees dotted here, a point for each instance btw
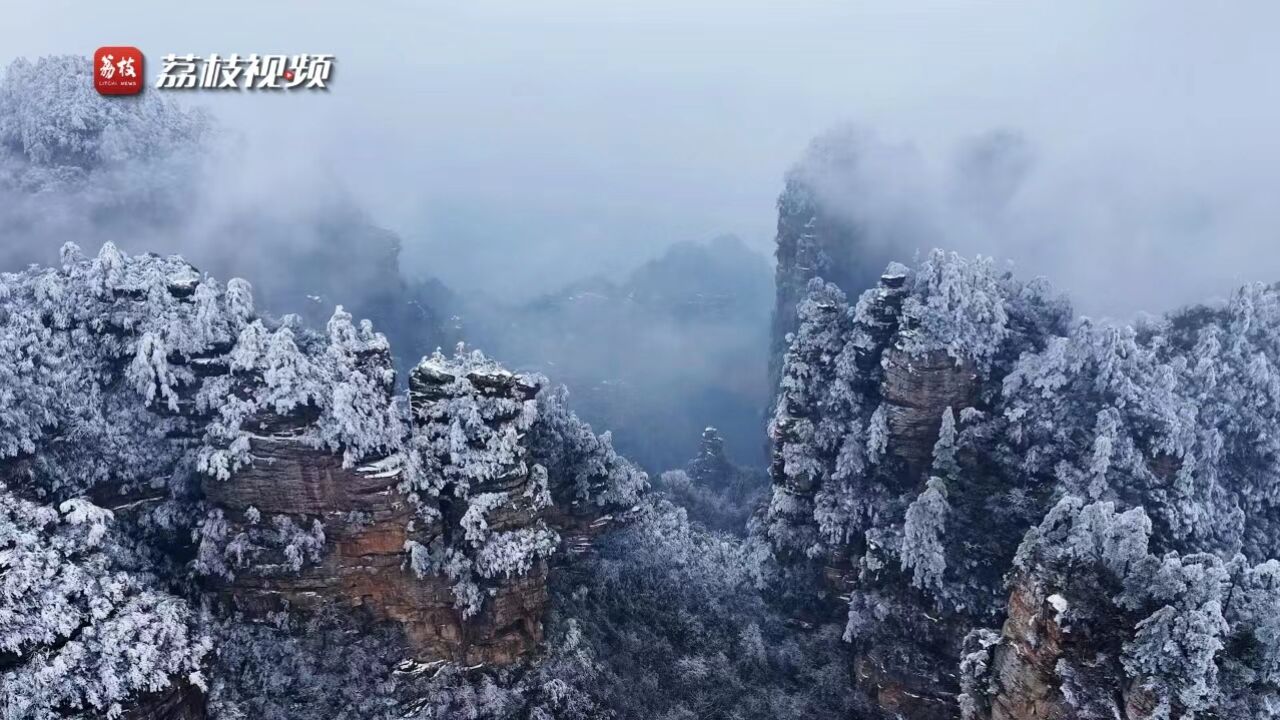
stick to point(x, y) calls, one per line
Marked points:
point(55, 129)
point(588, 469)
point(836, 486)
point(1173, 421)
point(85, 352)
point(133, 379)
point(75, 165)
point(278, 544)
point(150, 173)
point(1177, 415)
point(125, 379)
point(487, 444)
point(343, 383)
point(84, 626)
point(467, 458)
point(713, 490)
point(948, 436)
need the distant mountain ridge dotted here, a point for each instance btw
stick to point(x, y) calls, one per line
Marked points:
point(656, 357)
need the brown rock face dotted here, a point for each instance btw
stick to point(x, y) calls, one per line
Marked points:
point(1041, 669)
point(367, 521)
point(1024, 680)
point(915, 391)
point(900, 692)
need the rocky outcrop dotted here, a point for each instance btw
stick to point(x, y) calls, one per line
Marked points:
point(367, 525)
point(164, 445)
point(915, 390)
point(973, 458)
point(810, 244)
point(1044, 668)
point(1024, 679)
point(902, 396)
point(876, 480)
point(817, 236)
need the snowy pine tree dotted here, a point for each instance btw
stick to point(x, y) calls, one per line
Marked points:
point(80, 628)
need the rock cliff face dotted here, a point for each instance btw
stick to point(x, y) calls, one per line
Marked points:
point(364, 526)
point(367, 524)
point(362, 564)
point(1065, 651)
point(910, 393)
point(915, 390)
point(1043, 667)
point(1024, 674)
point(867, 468)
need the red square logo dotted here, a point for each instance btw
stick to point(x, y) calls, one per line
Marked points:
point(117, 70)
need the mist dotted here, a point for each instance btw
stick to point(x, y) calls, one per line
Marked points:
point(1118, 238)
point(514, 150)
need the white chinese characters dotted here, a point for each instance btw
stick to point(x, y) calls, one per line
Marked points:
point(252, 72)
point(124, 66)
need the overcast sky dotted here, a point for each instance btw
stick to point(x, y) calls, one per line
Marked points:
point(515, 144)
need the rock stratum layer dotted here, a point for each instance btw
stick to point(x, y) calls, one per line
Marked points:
point(367, 524)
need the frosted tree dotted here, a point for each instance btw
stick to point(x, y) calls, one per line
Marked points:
point(811, 421)
point(923, 553)
point(583, 466)
point(945, 463)
point(958, 306)
point(922, 550)
point(711, 467)
point(79, 629)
